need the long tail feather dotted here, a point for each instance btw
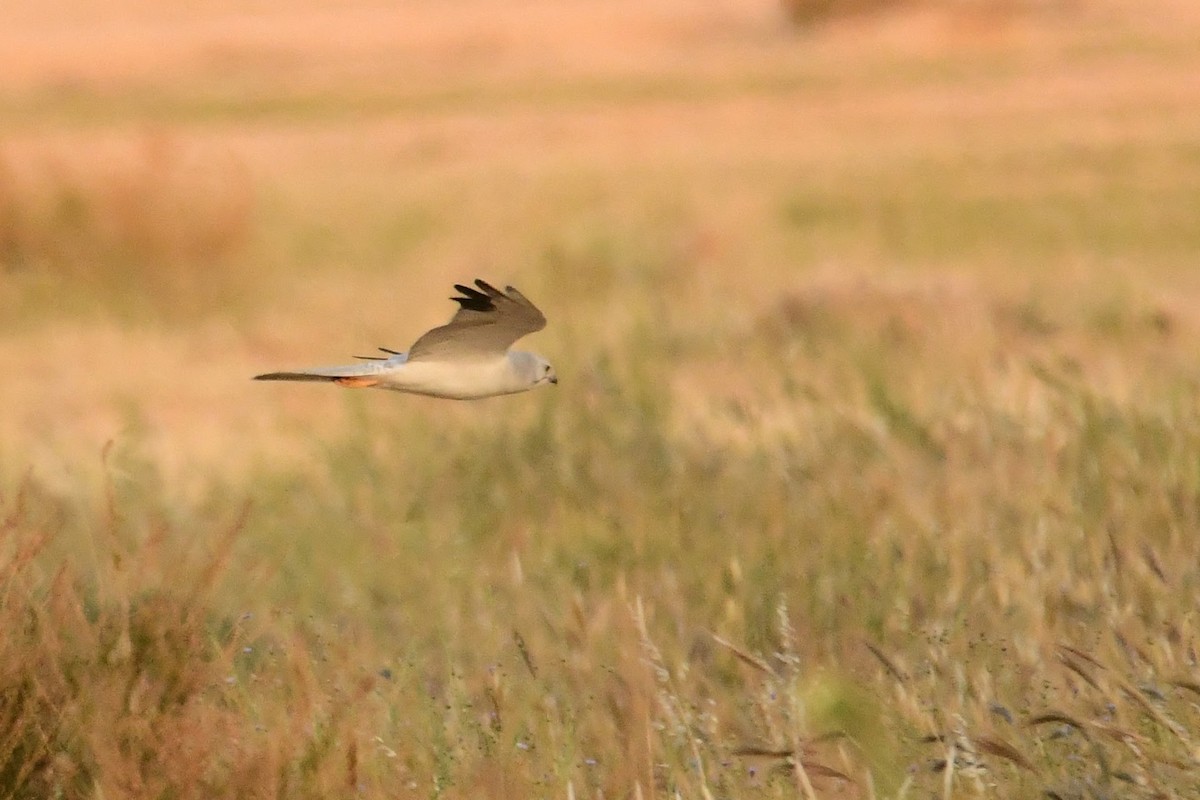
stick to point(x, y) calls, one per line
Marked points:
point(341, 372)
point(294, 376)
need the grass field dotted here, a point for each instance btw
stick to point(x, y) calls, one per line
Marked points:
point(874, 467)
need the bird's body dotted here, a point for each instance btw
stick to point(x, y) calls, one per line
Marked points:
point(466, 359)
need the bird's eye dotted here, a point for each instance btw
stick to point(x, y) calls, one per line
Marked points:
point(546, 370)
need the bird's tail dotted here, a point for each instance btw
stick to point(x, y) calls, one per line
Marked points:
point(353, 375)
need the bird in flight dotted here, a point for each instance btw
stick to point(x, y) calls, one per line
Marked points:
point(465, 359)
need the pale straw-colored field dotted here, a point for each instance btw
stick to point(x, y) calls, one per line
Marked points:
point(874, 467)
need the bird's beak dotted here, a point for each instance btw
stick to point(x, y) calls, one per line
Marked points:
point(554, 379)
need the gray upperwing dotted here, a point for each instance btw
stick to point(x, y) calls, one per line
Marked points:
point(487, 323)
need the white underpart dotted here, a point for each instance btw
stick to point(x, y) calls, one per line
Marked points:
point(458, 380)
point(467, 358)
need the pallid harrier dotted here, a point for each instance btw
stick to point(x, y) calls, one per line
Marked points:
point(465, 359)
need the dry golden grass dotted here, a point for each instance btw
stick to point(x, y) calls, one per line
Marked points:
point(148, 223)
point(873, 468)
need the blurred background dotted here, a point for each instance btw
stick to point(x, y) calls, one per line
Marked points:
point(190, 194)
point(856, 306)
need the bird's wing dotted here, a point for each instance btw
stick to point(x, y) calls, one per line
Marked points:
point(486, 324)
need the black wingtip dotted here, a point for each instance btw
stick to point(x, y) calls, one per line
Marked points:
point(388, 357)
point(472, 299)
point(491, 291)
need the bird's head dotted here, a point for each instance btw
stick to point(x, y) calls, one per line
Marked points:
point(531, 369)
point(544, 371)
